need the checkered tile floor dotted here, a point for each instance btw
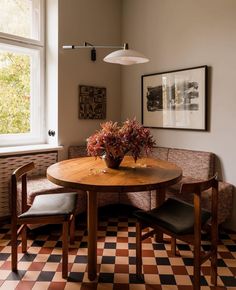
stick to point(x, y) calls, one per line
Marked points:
point(40, 268)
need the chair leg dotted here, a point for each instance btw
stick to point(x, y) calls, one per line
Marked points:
point(72, 230)
point(173, 246)
point(197, 267)
point(14, 247)
point(24, 239)
point(138, 249)
point(214, 236)
point(197, 242)
point(214, 241)
point(214, 270)
point(65, 249)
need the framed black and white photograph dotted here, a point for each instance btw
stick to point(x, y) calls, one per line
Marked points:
point(175, 99)
point(92, 102)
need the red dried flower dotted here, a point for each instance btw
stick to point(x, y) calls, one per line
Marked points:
point(116, 141)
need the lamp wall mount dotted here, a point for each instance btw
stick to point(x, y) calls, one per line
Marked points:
point(123, 56)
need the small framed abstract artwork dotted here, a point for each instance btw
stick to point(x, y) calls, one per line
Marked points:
point(92, 102)
point(175, 99)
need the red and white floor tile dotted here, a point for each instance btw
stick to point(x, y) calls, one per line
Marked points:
point(40, 268)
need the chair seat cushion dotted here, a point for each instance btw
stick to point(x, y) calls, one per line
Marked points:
point(37, 185)
point(225, 197)
point(173, 215)
point(52, 204)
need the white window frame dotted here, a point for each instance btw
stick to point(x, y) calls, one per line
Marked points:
point(37, 134)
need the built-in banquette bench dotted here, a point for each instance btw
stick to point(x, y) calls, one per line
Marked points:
point(196, 165)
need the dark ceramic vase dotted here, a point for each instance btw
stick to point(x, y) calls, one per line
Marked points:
point(112, 162)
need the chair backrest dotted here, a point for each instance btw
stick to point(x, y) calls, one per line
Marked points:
point(20, 174)
point(197, 188)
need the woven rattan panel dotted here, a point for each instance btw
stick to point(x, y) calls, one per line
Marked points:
point(8, 164)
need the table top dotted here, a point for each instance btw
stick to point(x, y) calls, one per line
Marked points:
point(91, 174)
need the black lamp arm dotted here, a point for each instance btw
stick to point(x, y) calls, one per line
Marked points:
point(93, 54)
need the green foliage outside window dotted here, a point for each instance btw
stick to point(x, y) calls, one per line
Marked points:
point(14, 93)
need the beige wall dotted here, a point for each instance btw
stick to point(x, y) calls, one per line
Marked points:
point(180, 34)
point(174, 35)
point(97, 22)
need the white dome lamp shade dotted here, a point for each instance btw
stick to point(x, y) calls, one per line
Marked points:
point(126, 56)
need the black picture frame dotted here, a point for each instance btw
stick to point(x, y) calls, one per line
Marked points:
point(175, 99)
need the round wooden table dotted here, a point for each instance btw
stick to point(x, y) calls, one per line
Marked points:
point(91, 175)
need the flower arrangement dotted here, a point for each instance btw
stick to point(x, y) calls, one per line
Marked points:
point(115, 141)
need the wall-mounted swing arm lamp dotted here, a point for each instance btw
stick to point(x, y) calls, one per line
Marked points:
point(123, 56)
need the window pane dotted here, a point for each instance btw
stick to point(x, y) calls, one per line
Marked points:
point(20, 17)
point(14, 92)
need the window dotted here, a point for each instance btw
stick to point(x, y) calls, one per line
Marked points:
point(22, 72)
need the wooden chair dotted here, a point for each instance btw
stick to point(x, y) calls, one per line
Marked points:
point(46, 209)
point(183, 221)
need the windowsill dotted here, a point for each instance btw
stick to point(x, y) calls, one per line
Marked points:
point(28, 149)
